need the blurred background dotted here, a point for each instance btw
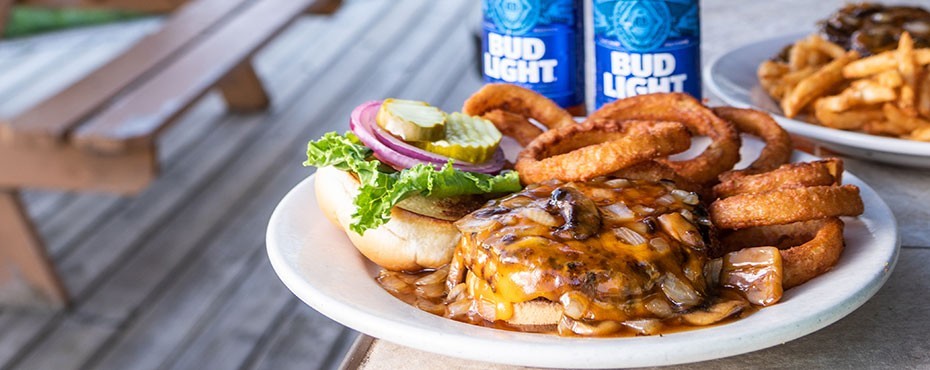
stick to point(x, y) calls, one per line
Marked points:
point(158, 237)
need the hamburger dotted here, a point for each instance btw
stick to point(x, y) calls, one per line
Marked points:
point(588, 258)
point(404, 173)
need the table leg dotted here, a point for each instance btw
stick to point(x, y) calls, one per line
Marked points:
point(5, 7)
point(27, 276)
point(324, 7)
point(243, 91)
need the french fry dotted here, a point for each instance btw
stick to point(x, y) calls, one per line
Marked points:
point(922, 56)
point(770, 69)
point(826, 47)
point(792, 79)
point(816, 84)
point(848, 120)
point(890, 78)
point(861, 92)
point(868, 66)
point(881, 62)
point(884, 128)
point(923, 95)
point(798, 55)
point(899, 118)
point(883, 94)
point(907, 66)
point(770, 74)
point(920, 134)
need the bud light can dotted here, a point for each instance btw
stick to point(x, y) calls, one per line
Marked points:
point(646, 46)
point(536, 44)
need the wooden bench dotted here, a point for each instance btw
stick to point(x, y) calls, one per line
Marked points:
point(99, 133)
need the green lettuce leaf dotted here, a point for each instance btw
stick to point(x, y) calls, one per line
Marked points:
point(382, 188)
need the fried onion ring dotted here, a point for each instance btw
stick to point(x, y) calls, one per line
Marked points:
point(514, 125)
point(794, 175)
point(808, 249)
point(720, 156)
point(519, 101)
point(785, 206)
point(597, 148)
point(777, 150)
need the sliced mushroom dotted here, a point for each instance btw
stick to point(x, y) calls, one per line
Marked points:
point(582, 219)
point(714, 313)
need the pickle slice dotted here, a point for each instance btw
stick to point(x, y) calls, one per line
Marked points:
point(470, 139)
point(411, 120)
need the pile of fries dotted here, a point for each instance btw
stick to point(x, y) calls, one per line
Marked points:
point(884, 94)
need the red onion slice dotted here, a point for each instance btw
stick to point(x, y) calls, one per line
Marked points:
point(399, 154)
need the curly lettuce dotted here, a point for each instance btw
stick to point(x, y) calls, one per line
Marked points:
point(382, 188)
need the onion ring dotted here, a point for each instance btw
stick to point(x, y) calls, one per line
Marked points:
point(808, 249)
point(786, 206)
point(514, 125)
point(720, 156)
point(520, 101)
point(794, 175)
point(778, 147)
point(597, 148)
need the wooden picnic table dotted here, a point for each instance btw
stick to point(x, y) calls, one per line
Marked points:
point(890, 331)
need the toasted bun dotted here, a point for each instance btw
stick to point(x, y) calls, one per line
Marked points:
point(408, 242)
point(538, 315)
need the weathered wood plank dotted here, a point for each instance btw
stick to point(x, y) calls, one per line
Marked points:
point(240, 324)
point(43, 203)
point(149, 6)
point(71, 223)
point(306, 340)
point(51, 119)
point(138, 115)
point(64, 73)
point(158, 255)
point(34, 64)
point(195, 293)
point(97, 256)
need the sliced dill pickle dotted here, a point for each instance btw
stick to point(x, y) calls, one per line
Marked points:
point(411, 120)
point(470, 139)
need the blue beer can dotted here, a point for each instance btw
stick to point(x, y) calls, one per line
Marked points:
point(536, 44)
point(646, 46)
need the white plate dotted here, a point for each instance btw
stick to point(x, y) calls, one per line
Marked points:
point(316, 262)
point(732, 77)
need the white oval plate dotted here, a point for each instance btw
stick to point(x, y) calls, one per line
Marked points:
point(732, 77)
point(318, 263)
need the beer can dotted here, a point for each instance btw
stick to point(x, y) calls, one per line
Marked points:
point(536, 44)
point(646, 46)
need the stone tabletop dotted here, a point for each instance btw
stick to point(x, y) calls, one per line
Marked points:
point(890, 331)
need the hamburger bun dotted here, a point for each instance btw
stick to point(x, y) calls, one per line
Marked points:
point(538, 315)
point(410, 241)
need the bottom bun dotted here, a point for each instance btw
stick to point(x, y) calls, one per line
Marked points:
point(408, 242)
point(539, 315)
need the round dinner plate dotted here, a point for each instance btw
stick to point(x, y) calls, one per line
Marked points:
point(732, 77)
point(318, 263)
